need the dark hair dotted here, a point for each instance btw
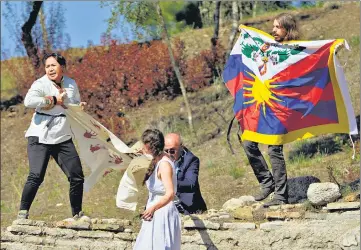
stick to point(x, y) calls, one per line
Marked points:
point(155, 141)
point(59, 58)
point(289, 23)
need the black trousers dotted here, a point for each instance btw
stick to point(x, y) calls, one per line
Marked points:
point(277, 181)
point(66, 157)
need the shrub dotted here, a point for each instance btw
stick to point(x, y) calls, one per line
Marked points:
point(115, 76)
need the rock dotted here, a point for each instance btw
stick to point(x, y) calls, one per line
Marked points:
point(283, 215)
point(351, 239)
point(201, 224)
point(297, 188)
point(275, 215)
point(125, 236)
point(73, 224)
point(225, 217)
point(243, 213)
point(108, 227)
point(268, 226)
point(354, 215)
point(23, 229)
point(323, 193)
point(36, 223)
point(59, 232)
point(95, 234)
point(234, 203)
point(315, 216)
point(238, 226)
point(343, 205)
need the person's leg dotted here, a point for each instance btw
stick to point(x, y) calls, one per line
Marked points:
point(279, 172)
point(68, 159)
point(38, 155)
point(260, 169)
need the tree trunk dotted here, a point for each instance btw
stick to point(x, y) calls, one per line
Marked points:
point(26, 38)
point(254, 11)
point(175, 67)
point(240, 7)
point(235, 18)
point(47, 46)
point(214, 39)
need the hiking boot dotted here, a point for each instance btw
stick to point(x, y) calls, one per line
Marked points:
point(264, 194)
point(23, 214)
point(79, 217)
point(274, 202)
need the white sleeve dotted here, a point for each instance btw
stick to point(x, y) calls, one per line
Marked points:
point(35, 96)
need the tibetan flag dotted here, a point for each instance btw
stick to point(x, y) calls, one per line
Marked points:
point(287, 91)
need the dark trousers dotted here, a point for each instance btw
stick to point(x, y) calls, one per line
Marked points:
point(278, 181)
point(66, 157)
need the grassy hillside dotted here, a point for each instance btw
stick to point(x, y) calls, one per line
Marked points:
point(222, 175)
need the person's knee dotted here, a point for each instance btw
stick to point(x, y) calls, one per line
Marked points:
point(76, 177)
point(275, 150)
point(35, 179)
point(250, 146)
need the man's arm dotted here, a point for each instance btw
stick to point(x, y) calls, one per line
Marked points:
point(190, 178)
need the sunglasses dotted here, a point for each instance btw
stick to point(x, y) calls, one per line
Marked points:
point(170, 151)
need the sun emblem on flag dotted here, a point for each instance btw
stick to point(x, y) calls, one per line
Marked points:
point(260, 91)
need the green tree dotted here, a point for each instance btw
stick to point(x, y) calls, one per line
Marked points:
point(150, 17)
point(144, 16)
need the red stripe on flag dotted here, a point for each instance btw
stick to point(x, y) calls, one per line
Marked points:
point(293, 120)
point(306, 93)
point(317, 60)
point(251, 121)
point(328, 94)
point(236, 84)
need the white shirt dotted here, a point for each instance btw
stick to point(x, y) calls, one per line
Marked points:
point(59, 130)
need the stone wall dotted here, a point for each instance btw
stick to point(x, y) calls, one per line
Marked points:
point(329, 229)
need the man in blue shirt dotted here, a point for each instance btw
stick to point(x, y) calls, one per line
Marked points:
point(189, 199)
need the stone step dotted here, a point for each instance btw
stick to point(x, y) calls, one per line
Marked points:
point(343, 206)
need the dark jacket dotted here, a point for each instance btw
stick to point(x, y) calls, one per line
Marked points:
point(188, 190)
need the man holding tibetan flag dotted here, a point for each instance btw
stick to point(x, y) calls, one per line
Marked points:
point(285, 90)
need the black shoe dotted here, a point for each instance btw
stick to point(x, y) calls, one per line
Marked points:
point(264, 194)
point(274, 202)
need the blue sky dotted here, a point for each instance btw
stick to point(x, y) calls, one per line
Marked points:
point(85, 20)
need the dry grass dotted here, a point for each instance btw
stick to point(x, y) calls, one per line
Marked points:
point(222, 175)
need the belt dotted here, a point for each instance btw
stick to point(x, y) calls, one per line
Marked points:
point(52, 117)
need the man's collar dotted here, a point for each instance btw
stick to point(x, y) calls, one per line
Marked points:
point(181, 156)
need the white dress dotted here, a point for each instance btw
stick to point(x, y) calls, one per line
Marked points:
point(163, 232)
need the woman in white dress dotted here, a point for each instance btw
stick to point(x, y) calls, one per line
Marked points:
point(161, 226)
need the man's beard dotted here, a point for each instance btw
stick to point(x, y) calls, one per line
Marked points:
point(278, 38)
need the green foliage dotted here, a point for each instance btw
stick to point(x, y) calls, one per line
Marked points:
point(236, 172)
point(144, 16)
point(308, 4)
point(319, 4)
point(8, 85)
point(355, 41)
point(312, 148)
